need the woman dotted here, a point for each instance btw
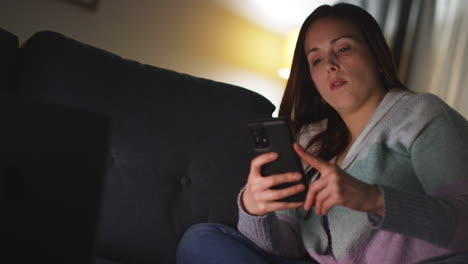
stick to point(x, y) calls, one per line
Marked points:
point(392, 164)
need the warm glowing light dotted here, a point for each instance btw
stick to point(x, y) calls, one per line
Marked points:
point(279, 16)
point(284, 73)
point(288, 53)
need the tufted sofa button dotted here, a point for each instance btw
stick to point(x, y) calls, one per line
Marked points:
point(185, 181)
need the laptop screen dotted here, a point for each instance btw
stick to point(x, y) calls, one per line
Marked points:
point(53, 161)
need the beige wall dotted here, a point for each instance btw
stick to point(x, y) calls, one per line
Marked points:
point(197, 37)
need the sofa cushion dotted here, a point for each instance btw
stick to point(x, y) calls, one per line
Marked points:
point(48, 155)
point(180, 147)
point(8, 52)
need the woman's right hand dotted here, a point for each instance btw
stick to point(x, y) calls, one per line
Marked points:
point(258, 197)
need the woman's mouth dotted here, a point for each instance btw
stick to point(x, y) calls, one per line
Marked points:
point(336, 84)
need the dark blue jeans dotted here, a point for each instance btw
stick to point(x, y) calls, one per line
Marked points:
point(216, 243)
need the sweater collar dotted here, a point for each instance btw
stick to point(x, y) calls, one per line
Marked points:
point(387, 104)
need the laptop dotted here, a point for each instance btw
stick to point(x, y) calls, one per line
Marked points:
point(53, 160)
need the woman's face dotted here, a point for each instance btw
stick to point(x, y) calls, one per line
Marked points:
point(342, 66)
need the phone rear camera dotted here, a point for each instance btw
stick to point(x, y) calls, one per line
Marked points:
point(259, 137)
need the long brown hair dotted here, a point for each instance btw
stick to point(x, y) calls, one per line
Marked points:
point(303, 105)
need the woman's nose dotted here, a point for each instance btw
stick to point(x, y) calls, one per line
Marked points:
point(332, 65)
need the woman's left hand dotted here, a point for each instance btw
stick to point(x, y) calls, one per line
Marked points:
point(336, 187)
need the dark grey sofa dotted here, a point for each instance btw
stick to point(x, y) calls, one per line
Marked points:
point(179, 147)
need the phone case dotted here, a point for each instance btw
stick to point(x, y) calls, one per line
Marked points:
point(274, 135)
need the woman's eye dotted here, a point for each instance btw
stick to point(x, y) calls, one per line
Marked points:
point(316, 61)
point(344, 49)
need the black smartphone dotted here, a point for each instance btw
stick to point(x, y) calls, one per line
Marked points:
point(274, 135)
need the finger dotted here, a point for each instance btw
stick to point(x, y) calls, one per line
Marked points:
point(257, 163)
point(310, 199)
point(317, 163)
point(278, 194)
point(273, 180)
point(327, 205)
point(322, 197)
point(314, 189)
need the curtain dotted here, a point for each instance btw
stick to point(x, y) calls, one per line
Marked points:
point(435, 60)
point(429, 42)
